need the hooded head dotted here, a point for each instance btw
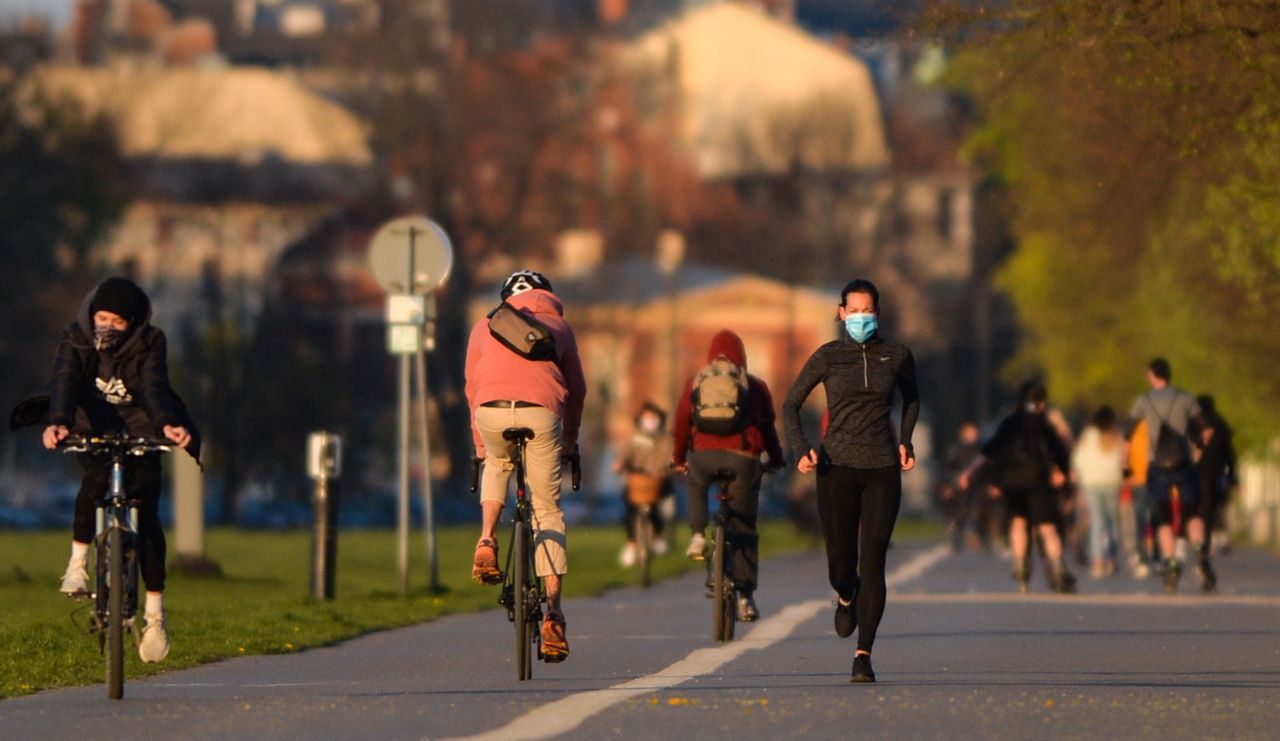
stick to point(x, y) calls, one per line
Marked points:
point(122, 297)
point(729, 345)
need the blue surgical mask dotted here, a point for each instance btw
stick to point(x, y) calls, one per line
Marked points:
point(861, 326)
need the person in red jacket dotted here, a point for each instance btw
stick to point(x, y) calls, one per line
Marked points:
point(506, 390)
point(701, 454)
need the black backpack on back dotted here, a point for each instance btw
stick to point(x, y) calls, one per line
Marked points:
point(1170, 451)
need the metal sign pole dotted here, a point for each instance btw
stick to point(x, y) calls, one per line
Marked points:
point(402, 510)
point(402, 461)
point(429, 260)
point(428, 504)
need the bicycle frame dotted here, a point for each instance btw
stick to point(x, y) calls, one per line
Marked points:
point(724, 592)
point(115, 595)
point(523, 593)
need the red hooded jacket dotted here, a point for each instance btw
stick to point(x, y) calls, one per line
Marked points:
point(761, 436)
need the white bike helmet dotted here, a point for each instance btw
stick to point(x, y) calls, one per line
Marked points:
point(524, 280)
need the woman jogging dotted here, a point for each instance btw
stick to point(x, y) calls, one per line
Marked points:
point(859, 463)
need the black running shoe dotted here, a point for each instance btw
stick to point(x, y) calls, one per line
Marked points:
point(1208, 577)
point(1172, 574)
point(846, 618)
point(862, 669)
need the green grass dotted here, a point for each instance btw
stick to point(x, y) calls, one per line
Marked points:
point(260, 604)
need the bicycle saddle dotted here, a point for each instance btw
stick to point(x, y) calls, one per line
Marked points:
point(513, 434)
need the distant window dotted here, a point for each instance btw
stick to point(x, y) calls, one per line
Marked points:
point(946, 197)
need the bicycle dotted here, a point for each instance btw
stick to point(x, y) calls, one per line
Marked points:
point(724, 593)
point(523, 593)
point(643, 491)
point(115, 595)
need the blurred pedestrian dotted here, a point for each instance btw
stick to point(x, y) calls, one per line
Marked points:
point(1138, 538)
point(1027, 461)
point(644, 463)
point(963, 504)
point(1097, 463)
point(1173, 422)
point(1216, 466)
point(859, 462)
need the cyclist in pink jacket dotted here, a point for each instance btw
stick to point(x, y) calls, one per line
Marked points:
point(505, 389)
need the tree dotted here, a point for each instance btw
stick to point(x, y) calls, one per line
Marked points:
point(63, 184)
point(1138, 146)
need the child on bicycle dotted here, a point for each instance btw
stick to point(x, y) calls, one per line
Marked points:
point(110, 375)
point(645, 463)
point(544, 393)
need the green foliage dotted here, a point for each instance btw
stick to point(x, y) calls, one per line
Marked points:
point(1139, 148)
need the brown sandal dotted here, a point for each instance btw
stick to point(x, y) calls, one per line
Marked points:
point(555, 645)
point(484, 564)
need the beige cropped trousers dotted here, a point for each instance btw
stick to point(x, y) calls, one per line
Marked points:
point(543, 465)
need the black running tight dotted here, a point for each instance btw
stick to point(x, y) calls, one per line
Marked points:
point(849, 499)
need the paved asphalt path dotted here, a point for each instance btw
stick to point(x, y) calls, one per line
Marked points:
point(958, 656)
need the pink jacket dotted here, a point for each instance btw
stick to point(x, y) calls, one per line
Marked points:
point(494, 372)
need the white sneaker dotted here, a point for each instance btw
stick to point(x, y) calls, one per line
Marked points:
point(154, 645)
point(660, 546)
point(76, 579)
point(697, 547)
point(627, 558)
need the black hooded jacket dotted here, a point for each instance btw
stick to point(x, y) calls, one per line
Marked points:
point(125, 389)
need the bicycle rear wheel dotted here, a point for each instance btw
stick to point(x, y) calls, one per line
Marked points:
point(644, 544)
point(719, 589)
point(115, 613)
point(523, 621)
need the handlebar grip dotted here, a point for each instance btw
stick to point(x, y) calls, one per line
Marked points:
point(475, 473)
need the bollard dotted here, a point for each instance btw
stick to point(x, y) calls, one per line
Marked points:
point(324, 464)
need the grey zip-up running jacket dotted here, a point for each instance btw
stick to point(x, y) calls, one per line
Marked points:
point(859, 379)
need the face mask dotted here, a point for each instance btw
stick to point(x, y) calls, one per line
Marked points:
point(860, 326)
point(105, 338)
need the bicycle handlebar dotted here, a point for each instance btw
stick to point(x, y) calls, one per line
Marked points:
point(113, 443)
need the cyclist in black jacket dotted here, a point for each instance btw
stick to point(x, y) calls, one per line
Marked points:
point(1027, 461)
point(859, 463)
point(111, 375)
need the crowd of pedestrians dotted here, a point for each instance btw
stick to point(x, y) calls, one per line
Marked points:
point(1147, 490)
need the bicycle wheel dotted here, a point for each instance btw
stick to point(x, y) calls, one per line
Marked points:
point(644, 544)
point(719, 589)
point(520, 582)
point(115, 613)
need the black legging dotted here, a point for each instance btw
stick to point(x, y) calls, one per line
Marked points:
point(849, 498)
point(142, 481)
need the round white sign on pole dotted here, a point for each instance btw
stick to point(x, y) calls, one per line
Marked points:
point(411, 254)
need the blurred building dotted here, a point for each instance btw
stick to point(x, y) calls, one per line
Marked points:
point(232, 165)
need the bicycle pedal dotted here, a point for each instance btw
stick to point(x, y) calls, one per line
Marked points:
point(80, 596)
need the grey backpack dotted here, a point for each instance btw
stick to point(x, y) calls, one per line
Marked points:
point(720, 398)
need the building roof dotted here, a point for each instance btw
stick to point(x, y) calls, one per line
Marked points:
point(760, 95)
point(243, 115)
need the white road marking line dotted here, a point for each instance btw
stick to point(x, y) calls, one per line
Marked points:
point(1143, 599)
point(568, 713)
